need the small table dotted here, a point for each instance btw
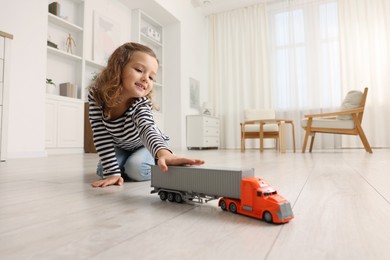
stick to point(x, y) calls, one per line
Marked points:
point(282, 132)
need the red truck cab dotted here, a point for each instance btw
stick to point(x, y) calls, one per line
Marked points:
point(259, 200)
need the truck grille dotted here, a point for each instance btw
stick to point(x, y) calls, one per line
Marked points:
point(285, 211)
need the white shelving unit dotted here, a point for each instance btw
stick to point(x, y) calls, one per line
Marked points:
point(147, 31)
point(64, 115)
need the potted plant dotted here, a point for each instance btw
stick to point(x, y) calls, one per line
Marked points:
point(50, 86)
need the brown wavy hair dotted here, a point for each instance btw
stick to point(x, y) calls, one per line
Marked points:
point(107, 87)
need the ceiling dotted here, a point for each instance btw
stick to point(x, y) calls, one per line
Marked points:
point(208, 7)
point(153, 9)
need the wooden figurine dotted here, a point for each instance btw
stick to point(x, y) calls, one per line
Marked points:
point(69, 43)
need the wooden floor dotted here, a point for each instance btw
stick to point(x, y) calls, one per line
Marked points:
point(341, 202)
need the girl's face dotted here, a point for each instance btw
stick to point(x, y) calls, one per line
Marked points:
point(138, 75)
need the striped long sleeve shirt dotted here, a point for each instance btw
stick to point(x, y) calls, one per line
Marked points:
point(134, 129)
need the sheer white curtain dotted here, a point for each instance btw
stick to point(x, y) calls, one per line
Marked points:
point(238, 67)
point(299, 57)
point(365, 48)
point(305, 61)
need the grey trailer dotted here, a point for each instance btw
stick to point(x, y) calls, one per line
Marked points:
point(195, 183)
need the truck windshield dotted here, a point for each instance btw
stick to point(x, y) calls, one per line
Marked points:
point(270, 193)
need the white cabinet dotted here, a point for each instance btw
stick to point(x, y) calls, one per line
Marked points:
point(202, 132)
point(64, 124)
point(5, 44)
point(147, 31)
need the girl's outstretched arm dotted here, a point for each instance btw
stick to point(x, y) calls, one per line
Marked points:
point(166, 158)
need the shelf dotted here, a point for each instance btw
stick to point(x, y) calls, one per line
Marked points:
point(63, 98)
point(78, 1)
point(63, 23)
point(65, 115)
point(150, 40)
point(63, 54)
point(94, 64)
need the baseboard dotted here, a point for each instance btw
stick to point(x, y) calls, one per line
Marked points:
point(56, 151)
point(31, 154)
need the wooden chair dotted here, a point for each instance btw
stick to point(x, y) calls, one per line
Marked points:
point(347, 121)
point(250, 128)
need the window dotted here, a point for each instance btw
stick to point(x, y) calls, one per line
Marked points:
point(305, 63)
point(270, 193)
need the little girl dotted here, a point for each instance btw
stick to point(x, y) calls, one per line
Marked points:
point(124, 132)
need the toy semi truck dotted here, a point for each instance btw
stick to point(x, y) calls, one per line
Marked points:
point(238, 190)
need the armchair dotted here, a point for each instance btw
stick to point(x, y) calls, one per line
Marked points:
point(250, 128)
point(347, 121)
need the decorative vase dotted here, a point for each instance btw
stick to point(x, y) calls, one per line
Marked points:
point(51, 89)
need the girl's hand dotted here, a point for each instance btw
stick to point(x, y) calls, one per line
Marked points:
point(113, 180)
point(166, 158)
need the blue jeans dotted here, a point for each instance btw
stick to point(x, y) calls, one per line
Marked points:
point(134, 165)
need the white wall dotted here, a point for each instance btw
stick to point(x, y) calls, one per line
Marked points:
point(193, 64)
point(27, 21)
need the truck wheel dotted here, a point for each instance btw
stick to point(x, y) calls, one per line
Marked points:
point(233, 207)
point(178, 198)
point(171, 197)
point(163, 195)
point(222, 204)
point(267, 217)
